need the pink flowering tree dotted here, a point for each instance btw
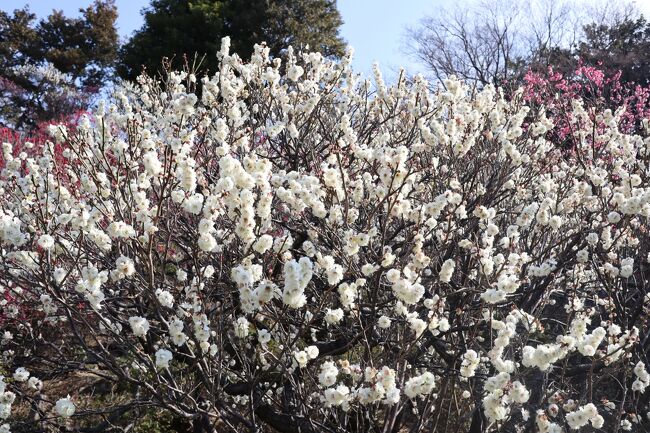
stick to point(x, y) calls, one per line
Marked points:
point(597, 91)
point(301, 250)
point(17, 148)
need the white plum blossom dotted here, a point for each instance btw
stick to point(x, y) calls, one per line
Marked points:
point(163, 357)
point(263, 244)
point(447, 270)
point(139, 325)
point(419, 385)
point(35, 383)
point(328, 373)
point(297, 276)
point(152, 164)
point(332, 317)
point(46, 242)
point(301, 358)
point(21, 374)
point(316, 246)
point(642, 380)
point(383, 322)
point(263, 336)
point(584, 415)
point(124, 267)
point(165, 298)
point(65, 407)
point(336, 396)
point(469, 364)
point(242, 327)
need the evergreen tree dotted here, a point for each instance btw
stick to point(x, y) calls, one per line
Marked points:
point(181, 30)
point(624, 46)
point(51, 68)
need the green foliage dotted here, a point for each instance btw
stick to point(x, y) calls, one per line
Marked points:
point(172, 28)
point(49, 68)
point(83, 47)
point(183, 30)
point(624, 46)
point(18, 37)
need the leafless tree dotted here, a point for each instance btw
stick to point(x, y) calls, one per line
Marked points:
point(489, 41)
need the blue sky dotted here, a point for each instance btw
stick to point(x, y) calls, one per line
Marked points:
point(375, 28)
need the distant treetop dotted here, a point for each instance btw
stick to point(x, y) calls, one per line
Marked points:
point(52, 67)
point(193, 29)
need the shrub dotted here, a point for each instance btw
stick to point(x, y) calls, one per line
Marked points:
point(301, 251)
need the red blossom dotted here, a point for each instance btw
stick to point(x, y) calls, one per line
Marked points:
point(598, 92)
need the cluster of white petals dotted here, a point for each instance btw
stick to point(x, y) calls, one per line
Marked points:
point(65, 407)
point(295, 245)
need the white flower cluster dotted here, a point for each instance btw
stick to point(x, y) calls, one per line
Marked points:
point(470, 363)
point(295, 217)
point(163, 357)
point(642, 377)
point(405, 290)
point(328, 373)
point(587, 414)
point(383, 387)
point(65, 407)
point(447, 270)
point(6, 400)
point(419, 385)
point(139, 325)
point(296, 277)
point(302, 357)
point(501, 393)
